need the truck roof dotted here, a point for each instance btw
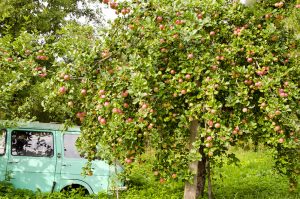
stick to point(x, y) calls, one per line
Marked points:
point(39, 125)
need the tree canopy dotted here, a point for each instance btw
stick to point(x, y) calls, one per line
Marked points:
point(41, 16)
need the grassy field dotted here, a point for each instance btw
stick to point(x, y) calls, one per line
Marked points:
point(254, 178)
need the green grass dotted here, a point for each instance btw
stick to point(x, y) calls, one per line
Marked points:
point(254, 178)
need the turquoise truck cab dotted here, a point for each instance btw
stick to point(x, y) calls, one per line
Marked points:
point(41, 156)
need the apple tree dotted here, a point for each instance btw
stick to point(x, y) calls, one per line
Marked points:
point(189, 79)
point(30, 62)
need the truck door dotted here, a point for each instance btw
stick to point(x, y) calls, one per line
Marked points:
point(3, 154)
point(72, 164)
point(32, 159)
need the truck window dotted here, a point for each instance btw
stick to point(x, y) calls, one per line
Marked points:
point(2, 141)
point(30, 143)
point(70, 150)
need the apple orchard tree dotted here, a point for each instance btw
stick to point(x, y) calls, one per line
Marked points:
point(190, 79)
point(187, 79)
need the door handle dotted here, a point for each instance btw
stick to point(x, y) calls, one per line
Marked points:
point(13, 161)
point(66, 165)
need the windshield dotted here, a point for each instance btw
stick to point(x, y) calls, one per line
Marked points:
point(2, 141)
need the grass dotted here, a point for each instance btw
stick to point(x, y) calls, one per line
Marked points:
point(254, 178)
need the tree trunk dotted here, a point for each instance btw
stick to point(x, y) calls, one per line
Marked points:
point(201, 175)
point(209, 189)
point(190, 189)
point(196, 187)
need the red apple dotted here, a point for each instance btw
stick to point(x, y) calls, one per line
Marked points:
point(277, 112)
point(125, 105)
point(175, 36)
point(113, 5)
point(43, 74)
point(163, 50)
point(129, 120)
point(258, 84)
point(125, 93)
point(83, 91)
point(144, 106)
point(66, 77)
point(174, 175)
point(27, 52)
point(210, 123)
point(277, 128)
point(268, 16)
point(172, 72)
point(102, 121)
point(190, 56)
point(214, 67)
point(131, 27)
point(38, 68)
point(208, 145)
point(281, 140)
point(183, 92)
point(178, 22)
point(159, 19)
point(249, 59)
point(199, 16)
point(187, 76)
point(128, 160)
point(217, 125)
point(212, 33)
point(209, 138)
point(123, 11)
point(282, 94)
point(115, 110)
point(106, 103)
point(62, 90)
point(150, 126)
point(101, 92)
point(161, 27)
